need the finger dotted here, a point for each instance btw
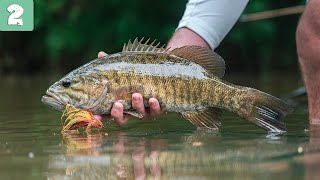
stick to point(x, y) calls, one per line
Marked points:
point(117, 114)
point(101, 54)
point(154, 107)
point(100, 117)
point(137, 103)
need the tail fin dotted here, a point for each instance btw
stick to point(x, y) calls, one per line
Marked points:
point(266, 111)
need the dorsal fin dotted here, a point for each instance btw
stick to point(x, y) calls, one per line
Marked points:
point(138, 46)
point(206, 58)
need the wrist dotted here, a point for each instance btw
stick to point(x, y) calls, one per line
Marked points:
point(183, 37)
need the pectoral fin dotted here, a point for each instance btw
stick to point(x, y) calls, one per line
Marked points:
point(134, 113)
point(204, 119)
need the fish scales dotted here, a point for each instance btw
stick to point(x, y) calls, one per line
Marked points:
point(187, 80)
point(157, 86)
point(182, 91)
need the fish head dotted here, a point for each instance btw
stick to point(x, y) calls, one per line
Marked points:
point(82, 90)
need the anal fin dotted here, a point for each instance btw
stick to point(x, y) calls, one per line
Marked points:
point(209, 118)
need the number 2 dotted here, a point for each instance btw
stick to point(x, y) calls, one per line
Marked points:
point(16, 11)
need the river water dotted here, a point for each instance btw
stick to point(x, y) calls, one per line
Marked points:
point(32, 147)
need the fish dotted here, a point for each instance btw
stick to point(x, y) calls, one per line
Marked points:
point(186, 80)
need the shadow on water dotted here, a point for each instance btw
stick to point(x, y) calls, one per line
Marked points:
point(165, 148)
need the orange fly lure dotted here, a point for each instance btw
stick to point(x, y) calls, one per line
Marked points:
point(74, 118)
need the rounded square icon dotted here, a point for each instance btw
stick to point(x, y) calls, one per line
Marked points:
point(16, 15)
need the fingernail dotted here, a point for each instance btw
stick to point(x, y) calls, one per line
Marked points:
point(99, 117)
point(153, 102)
point(117, 106)
point(136, 98)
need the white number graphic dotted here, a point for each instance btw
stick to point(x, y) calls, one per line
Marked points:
point(16, 11)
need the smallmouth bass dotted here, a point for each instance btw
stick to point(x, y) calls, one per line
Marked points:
point(186, 80)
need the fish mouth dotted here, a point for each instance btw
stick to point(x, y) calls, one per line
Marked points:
point(52, 101)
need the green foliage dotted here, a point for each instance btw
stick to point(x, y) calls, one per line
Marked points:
point(70, 33)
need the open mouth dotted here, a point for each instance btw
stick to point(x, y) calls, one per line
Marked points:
point(52, 101)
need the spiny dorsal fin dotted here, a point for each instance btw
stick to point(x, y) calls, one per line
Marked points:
point(206, 58)
point(204, 119)
point(138, 46)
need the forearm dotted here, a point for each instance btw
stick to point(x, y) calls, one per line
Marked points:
point(206, 22)
point(308, 43)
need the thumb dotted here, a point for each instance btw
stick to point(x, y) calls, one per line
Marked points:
point(101, 54)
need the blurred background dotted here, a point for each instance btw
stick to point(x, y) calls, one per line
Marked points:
point(70, 33)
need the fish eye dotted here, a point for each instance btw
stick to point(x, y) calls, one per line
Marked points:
point(66, 83)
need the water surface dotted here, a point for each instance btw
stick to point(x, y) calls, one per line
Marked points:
point(32, 147)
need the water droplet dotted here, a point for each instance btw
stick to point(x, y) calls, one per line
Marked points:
point(31, 155)
point(197, 144)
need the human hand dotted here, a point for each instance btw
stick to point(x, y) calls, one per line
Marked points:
point(137, 104)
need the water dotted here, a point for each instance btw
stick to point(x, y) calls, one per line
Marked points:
point(32, 147)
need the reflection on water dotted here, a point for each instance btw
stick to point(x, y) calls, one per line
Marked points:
point(311, 154)
point(166, 148)
point(119, 156)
